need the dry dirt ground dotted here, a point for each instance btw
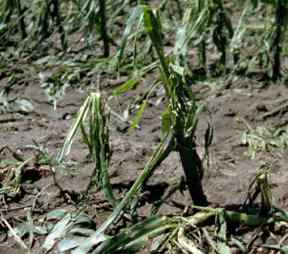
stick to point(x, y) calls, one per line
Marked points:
point(226, 179)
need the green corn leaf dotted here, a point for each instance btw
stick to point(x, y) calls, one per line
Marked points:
point(99, 132)
point(139, 114)
point(56, 214)
point(127, 86)
point(153, 28)
point(137, 13)
point(85, 135)
point(166, 122)
point(73, 130)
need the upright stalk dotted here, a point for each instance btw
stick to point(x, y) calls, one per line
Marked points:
point(56, 15)
point(179, 8)
point(202, 54)
point(44, 20)
point(21, 19)
point(192, 166)
point(222, 23)
point(103, 28)
point(183, 114)
point(280, 15)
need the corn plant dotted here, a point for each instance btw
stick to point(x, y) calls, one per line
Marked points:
point(222, 22)
point(49, 16)
point(264, 139)
point(274, 37)
point(179, 125)
point(103, 27)
point(238, 39)
point(11, 186)
point(46, 17)
point(8, 7)
point(260, 186)
point(96, 136)
point(201, 19)
point(281, 22)
point(181, 115)
point(93, 17)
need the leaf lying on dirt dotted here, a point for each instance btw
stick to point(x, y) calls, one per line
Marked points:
point(19, 105)
point(24, 105)
point(25, 228)
point(57, 232)
point(69, 232)
point(56, 214)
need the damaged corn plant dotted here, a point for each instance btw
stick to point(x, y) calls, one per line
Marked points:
point(92, 121)
point(146, 51)
point(179, 120)
point(273, 36)
point(207, 231)
point(37, 21)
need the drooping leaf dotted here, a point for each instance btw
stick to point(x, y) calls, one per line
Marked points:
point(139, 114)
point(137, 13)
point(166, 122)
point(127, 86)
